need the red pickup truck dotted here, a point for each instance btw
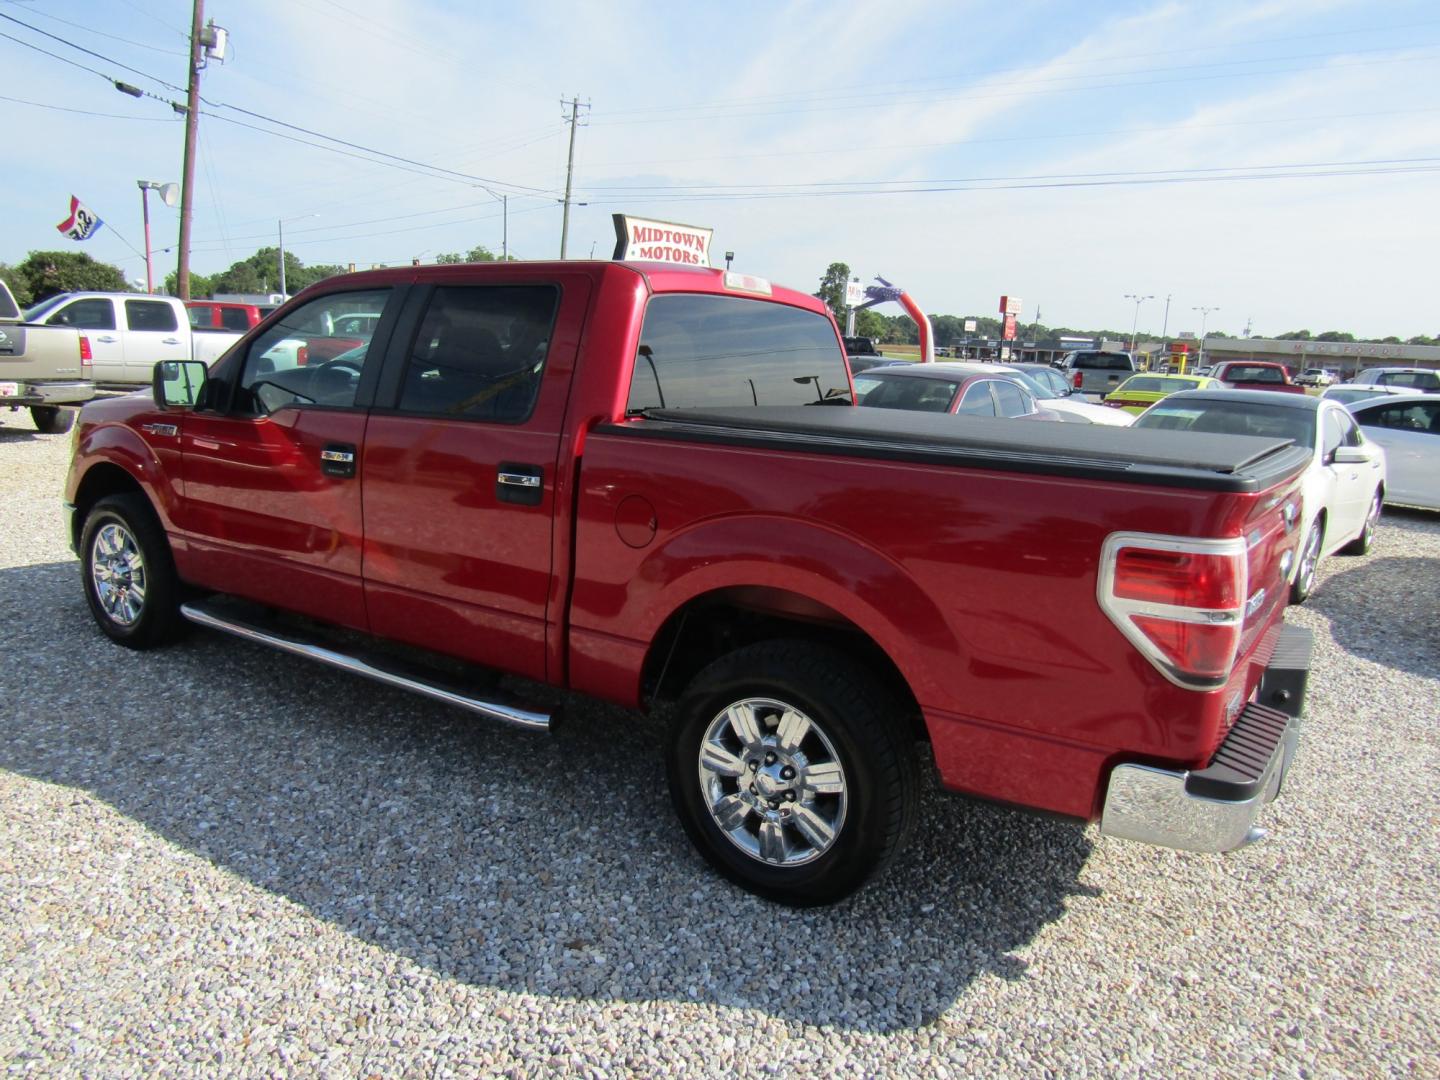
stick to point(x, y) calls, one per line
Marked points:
point(1256, 375)
point(648, 484)
point(225, 315)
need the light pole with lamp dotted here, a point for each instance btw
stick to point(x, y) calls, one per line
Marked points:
point(1135, 325)
point(169, 195)
point(1204, 319)
point(504, 201)
point(280, 231)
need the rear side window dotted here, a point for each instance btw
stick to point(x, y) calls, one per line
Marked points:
point(702, 351)
point(480, 351)
point(1010, 399)
point(150, 315)
point(234, 319)
point(1420, 380)
point(977, 400)
point(94, 314)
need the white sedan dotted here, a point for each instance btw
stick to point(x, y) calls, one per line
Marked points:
point(1342, 489)
point(1408, 427)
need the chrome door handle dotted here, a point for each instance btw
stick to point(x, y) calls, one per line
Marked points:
point(170, 341)
point(521, 480)
point(106, 340)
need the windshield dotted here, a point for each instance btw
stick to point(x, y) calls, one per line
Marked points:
point(1232, 418)
point(36, 313)
point(707, 351)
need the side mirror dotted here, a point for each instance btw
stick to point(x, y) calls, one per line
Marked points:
point(1351, 455)
point(176, 384)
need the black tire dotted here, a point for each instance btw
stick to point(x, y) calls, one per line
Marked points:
point(1362, 544)
point(1308, 571)
point(852, 723)
point(156, 620)
point(50, 420)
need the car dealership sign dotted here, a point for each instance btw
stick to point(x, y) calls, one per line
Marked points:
point(661, 241)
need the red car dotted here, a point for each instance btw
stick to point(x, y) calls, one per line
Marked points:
point(958, 388)
point(647, 483)
point(223, 315)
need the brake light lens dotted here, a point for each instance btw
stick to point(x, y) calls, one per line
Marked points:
point(1180, 601)
point(87, 358)
point(302, 355)
point(1079, 380)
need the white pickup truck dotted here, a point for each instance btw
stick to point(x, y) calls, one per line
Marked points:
point(130, 332)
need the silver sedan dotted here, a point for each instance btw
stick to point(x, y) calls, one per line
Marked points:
point(1408, 427)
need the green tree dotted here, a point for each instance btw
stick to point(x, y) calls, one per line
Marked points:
point(18, 285)
point(1391, 340)
point(832, 289)
point(479, 253)
point(870, 323)
point(1422, 339)
point(1334, 335)
point(1293, 335)
point(46, 273)
point(202, 286)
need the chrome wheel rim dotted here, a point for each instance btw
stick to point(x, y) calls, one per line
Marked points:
point(1311, 559)
point(1370, 519)
point(117, 571)
point(773, 782)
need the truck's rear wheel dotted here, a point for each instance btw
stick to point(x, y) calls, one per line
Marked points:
point(130, 579)
point(50, 420)
point(789, 773)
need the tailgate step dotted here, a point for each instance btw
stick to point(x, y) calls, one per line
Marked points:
point(252, 624)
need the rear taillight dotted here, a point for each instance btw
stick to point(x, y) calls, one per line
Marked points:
point(302, 355)
point(1079, 380)
point(1181, 602)
point(87, 358)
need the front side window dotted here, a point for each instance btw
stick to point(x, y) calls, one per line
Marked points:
point(302, 360)
point(480, 352)
point(707, 351)
point(97, 313)
point(150, 315)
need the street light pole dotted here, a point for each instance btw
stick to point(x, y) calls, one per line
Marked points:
point(1165, 326)
point(145, 213)
point(1204, 320)
point(280, 229)
point(1135, 325)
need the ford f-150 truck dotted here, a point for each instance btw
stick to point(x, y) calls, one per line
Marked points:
point(42, 368)
point(648, 484)
point(1256, 375)
point(130, 332)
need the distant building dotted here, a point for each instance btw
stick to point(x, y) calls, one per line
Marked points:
point(1346, 357)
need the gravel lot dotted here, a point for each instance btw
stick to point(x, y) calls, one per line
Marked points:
point(217, 860)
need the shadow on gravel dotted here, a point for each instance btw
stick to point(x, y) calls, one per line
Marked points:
point(550, 865)
point(1385, 611)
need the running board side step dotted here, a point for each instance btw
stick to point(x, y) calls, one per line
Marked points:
point(383, 669)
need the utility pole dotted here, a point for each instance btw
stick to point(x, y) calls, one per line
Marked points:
point(574, 121)
point(187, 179)
point(1165, 326)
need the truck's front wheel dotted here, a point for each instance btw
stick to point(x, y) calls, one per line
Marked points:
point(789, 772)
point(130, 578)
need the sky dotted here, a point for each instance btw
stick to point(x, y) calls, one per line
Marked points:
point(1276, 161)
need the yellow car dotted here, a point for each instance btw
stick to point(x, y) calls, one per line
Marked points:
point(1139, 392)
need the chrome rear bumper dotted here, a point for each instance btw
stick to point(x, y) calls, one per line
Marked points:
point(1215, 808)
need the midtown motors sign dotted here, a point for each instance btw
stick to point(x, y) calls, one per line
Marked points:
point(661, 241)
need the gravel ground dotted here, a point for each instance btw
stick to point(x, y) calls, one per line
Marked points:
point(217, 860)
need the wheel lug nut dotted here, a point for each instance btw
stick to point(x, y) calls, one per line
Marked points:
point(770, 759)
point(754, 765)
point(787, 773)
point(752, 789)
point(789, 796)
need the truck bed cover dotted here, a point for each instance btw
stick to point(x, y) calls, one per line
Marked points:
point(1237, 463)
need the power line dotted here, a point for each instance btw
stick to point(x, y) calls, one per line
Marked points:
point(433, 169)
point(101, 33)
point(88, 112)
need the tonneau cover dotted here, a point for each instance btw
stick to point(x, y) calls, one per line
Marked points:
point(1135, 455)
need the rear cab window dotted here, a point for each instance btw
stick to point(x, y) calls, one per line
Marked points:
point(700, 350)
